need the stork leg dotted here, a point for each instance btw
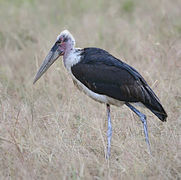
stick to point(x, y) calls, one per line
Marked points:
point(143, 120)
point(109, 133)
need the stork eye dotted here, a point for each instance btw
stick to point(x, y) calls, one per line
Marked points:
point(59, 42)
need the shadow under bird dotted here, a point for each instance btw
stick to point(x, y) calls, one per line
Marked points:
point(105, 79)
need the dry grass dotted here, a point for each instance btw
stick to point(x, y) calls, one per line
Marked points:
point(51, 130)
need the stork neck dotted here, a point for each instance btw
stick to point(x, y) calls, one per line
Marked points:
point(71, 58)
point(68, 51)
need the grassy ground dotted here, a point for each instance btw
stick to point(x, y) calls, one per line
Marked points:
point(52, 131)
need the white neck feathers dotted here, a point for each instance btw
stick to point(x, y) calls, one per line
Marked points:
point(71, 58)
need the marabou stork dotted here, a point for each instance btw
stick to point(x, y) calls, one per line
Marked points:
point(104, 78)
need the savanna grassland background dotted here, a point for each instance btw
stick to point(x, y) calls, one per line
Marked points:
point(52, 131)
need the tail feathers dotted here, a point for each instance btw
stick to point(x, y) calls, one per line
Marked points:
point(154, 105)
point(158, 111)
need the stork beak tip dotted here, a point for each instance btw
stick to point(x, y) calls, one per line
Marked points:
point(34, 81)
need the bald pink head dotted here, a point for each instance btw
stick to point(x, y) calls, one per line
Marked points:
point(66, 41)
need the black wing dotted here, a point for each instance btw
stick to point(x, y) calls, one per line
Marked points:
point(104, 74)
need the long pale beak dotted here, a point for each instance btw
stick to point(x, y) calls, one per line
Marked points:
point(52, 56)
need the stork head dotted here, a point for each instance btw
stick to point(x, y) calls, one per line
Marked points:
point(63, 45)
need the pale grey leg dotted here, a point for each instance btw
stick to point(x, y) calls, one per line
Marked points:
point(109, 133)
point(143, 120)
